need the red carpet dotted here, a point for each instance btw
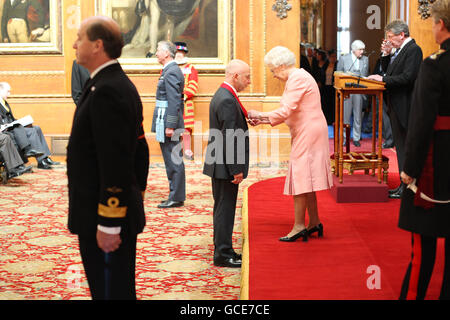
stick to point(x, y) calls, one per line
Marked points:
point(356, 237)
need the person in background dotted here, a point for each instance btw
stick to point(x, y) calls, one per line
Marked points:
point(387, 130)
point(301, 111)
point(400, 61)
point(190, 90)
point(34, 138)
point(168, 122)
point(356, 63)
point(426, 166)
point(11, 158)
point(328, 92)
point(320, 75)
point(310, 58)
point(304, 62)
point(80, 75)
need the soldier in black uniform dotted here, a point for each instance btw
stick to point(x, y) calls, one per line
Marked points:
point(426, 166)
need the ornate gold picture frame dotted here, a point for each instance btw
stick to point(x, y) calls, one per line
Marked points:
point(205, 25)
point(30, 27)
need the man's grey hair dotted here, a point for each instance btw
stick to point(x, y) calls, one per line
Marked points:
point(4, 85)
point(279, 56)
point(440, 10)
point(168, 46)
point(358, 44)
point(397, 26)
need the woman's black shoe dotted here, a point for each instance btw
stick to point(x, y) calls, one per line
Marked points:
point(318, 229)
point(303, 234)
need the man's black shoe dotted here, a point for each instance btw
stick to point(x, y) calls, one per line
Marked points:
point(51, 162)
point(12, 174)
point(33, 153)
point(15, 172)
point(25, 169)
point(398, 194)
point(357, 143)
point(387, 145)
point(228, 262)
point(171, 204)
point(43, 165)
point(391, 191)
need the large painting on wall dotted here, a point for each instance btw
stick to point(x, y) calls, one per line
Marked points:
point(205, 25)
point(311, 22)
point(30, 27)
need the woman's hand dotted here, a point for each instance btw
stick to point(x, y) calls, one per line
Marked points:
point(256, 117)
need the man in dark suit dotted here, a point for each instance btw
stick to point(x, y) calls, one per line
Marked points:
point(401, 67)
point(227, 158)
point(304, 62)
point(168, 122)
point(426, 166)
point(80, 75)
point(107, 164)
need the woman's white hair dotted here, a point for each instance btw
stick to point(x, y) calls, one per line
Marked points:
point(279, 56)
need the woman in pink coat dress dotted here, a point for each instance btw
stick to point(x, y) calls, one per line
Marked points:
point(309, 164)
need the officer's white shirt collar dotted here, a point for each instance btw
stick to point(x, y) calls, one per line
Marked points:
point(103, 66)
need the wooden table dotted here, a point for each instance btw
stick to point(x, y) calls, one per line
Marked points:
point(345, 85)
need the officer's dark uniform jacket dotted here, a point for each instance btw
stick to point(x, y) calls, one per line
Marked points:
point(170, 92)
point(107, 156)
point(428, 148)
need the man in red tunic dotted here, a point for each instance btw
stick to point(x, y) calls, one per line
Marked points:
point(190, 90)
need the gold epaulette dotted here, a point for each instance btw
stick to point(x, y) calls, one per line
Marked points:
point(437, 54)
point(112, 209)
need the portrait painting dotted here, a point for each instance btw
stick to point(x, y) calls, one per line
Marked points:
point(204, 25)
point(30, 26)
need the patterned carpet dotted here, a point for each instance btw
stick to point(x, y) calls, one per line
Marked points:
point(39, 258)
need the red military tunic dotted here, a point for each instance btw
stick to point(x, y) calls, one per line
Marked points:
point(190, 90)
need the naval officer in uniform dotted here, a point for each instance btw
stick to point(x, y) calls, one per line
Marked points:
point(107, 164)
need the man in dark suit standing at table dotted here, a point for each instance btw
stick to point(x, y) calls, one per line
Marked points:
point(227, 158)
point(107, 164)
point(401, 67)
point(168, 122)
